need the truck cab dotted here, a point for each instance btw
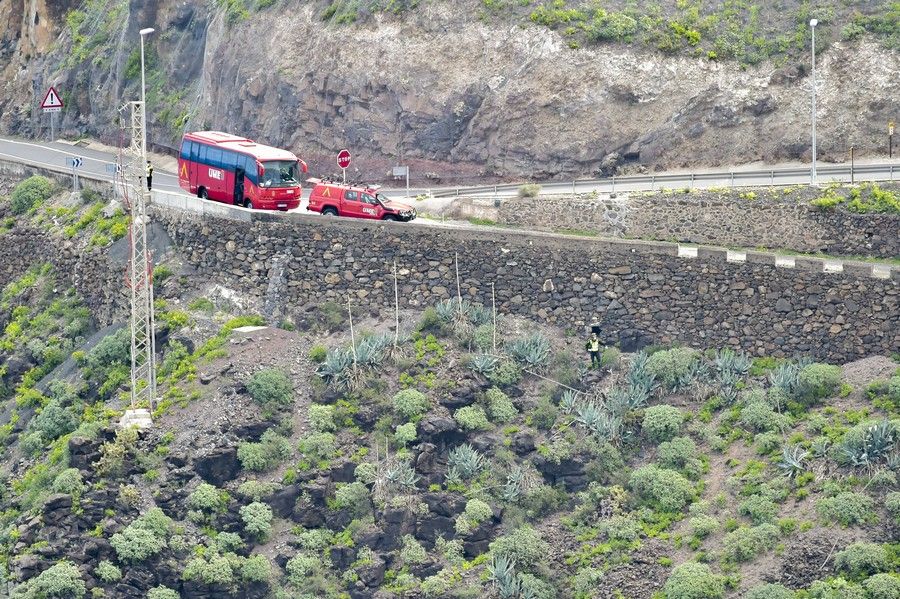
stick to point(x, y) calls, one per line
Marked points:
point(332, 198)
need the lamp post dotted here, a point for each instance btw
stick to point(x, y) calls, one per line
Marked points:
point(144, 32)
point(812, 26)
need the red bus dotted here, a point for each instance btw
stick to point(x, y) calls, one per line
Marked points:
point(235, 170)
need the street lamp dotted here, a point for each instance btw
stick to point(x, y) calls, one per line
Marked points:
point(144, 32)
point(812, 26)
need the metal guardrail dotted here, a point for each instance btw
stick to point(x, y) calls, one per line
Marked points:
point(754, 178)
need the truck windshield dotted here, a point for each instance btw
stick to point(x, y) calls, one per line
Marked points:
point(383, 199)
point(280, 173)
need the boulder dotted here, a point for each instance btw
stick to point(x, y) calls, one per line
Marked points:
point(219, 466)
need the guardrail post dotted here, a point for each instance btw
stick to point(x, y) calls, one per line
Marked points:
point(573, 189)
point(692, 180)
point(613, 184)
point(652, 182)
point(773, 178)
point(732, 179)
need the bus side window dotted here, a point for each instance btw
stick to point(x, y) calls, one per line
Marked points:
point(195, 149)
point(202, 155)
point(250, 169)
point(185, 149)
point(229, 160)
point(215, 157)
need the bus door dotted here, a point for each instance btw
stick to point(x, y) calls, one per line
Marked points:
point(239, 186)
point(193, 167)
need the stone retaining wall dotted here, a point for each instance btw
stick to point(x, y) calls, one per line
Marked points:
point(641, 292)
point(770, 220)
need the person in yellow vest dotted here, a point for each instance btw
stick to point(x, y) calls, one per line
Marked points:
point(593, 348)
point(149, 175)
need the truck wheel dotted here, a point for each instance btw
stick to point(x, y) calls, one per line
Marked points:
point(391, 217)
point(330, 212)
point(202, 194)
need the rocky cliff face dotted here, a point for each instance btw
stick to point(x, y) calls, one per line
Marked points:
point(450, 94)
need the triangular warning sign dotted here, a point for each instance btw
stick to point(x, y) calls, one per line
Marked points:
point(52, 101)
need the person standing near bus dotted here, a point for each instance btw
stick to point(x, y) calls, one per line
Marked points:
point(149, 175)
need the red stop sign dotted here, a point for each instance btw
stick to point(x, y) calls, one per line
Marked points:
point(343, 158)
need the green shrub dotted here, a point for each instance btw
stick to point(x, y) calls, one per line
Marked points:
point(703, 525)
point(544, 414)
point(162, 592)
point(317, 446)
point(257, 519)
point(759, 509)
point(69, 481)
point(506, 374)
point(499, 407)
point(661, 423)
point(256, 568)
point(680, 454)
point(769, 591)
point(317, 353)
point(270, 387)
point(301, 568)
point(666, 489)
point(862, 559)
point(847, 508)
point(107, 571)
point(523, 546)
point(694, 581)
point(143, 538)
point(60, 581)
point(671, 365)
point(354, 497)
point(255, 490)
point(476, 512)
point(271, 450)
point(882, 586)
point(29, 193)
point(529, 190)
point(892, 503)
point(745, 543)
point(836, 588)
point(321, 418)
point(471, 418)
point(229, 542)
point(440, 585)
point(207, 499)
point(620, 528)
point(211, 569)
point(818, 381)
point(412, 551)
point(759, 416)
point(410, 404)
point(405, 434)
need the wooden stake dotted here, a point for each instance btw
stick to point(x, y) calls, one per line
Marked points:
point(494, 313)
point(396, 309)
point(352, 336)
point(458, 289)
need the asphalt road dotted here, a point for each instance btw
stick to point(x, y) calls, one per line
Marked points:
point(55, 156)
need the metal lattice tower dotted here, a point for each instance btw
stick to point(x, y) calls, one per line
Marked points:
point(140, 270)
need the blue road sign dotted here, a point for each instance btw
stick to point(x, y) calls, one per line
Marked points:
point(113, 168)
point(74, 162)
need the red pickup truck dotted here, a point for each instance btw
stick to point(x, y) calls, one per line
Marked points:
point(356, 201)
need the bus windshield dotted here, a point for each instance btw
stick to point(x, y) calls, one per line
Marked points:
point(280, 173)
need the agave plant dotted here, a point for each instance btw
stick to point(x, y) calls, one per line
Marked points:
point(607, 427)
point(512, 489)
point(876, 445)
point(568, 401)
point(587, 414)
point(467, 461)
point(785, 377)
point(793, 460)
point(338, 362)
point(728, 386)
point(479, 315)
point(622, 400)
point(483, 364)
point(820, 447)
point(727, 360)
point(532, 350)
point(447, 310)
point(400, 475)
point(502, 572)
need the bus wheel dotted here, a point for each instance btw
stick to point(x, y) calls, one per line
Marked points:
point(329, 212)
point(248, 205)
point(202, 194)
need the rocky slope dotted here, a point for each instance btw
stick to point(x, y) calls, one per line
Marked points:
point(461, 90)
point(443, 467)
